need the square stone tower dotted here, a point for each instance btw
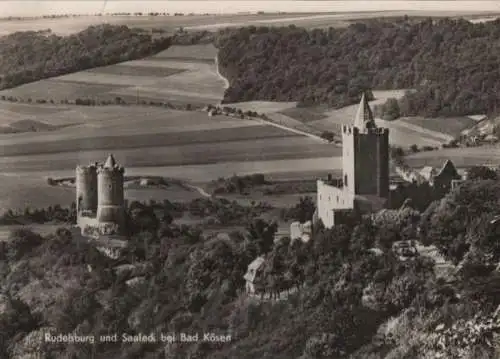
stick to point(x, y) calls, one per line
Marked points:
point(365, 155)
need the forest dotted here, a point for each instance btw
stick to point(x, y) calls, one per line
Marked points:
point(453, 65)
point(360, 300)
point(31, 56)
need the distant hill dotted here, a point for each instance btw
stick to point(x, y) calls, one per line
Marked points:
point(453, 64)
point(31, 56)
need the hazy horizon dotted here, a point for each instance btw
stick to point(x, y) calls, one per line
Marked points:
point(48, 7)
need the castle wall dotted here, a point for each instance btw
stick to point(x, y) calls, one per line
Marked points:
point(383, 177)
point(366, 161)
point(86, 189)
point(348, 158)
point(110, 187)
point(110, 196)
point(331, 199)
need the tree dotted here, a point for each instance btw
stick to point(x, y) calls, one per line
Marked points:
point(390, 110)
point(318, 67)
point(262, 233)
point(481, 173)
point(302, 211)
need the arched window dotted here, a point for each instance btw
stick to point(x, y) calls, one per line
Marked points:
point(345, 180)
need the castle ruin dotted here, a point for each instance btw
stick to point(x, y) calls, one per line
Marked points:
point(100, 198)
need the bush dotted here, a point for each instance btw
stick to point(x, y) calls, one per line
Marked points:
point(328, 135)
point(22, 242)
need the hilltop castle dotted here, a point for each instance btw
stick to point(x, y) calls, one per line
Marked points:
point(100, 198)
point(365, 170)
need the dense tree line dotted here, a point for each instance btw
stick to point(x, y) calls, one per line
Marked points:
point(55, 214)
point(189, 282)
point(31, 56)
point(452, 64)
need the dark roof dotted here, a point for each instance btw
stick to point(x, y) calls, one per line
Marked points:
point(448, 168)
point(110, 162)
point(364, 116)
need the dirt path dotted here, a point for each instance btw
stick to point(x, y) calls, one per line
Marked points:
point(199, 190)
point(226, 82)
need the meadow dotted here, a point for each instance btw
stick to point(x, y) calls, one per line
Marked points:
point(461, 157)
point(266, 107)
point(179, 75)
point(452, 126)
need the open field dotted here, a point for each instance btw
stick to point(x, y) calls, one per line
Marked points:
point(22, 126)
point(211, 153)
point(461, 157)
point(173, 139)
point(21, 189)
point(27, 190)
point(71, 25)
point(198, 52)
point(262, 106)
point(178, 75)
point(451, 126)
point(57, 90)
point(305, 115)
point(126, 70)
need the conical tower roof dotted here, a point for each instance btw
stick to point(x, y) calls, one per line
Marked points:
point(110, 162)
point(364, 116)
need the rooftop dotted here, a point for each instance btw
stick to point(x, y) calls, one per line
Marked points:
point(110, 162)
point(253, 268)
point(364, 116)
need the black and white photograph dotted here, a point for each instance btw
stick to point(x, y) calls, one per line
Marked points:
point(224, 179)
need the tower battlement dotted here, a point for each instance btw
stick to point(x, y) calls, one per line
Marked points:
point(85, 169)
point(115, 170)
point(353, 130)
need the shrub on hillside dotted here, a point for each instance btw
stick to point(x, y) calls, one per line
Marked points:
point(462, 219)
point(21, 242)
point(328, 135)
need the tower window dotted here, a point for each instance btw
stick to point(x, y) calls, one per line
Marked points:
point(345, 180)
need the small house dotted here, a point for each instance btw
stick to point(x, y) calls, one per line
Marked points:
point(444, 178)
point(253, 276)
point(302, 231)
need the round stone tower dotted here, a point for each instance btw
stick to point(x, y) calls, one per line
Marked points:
point(86, 189)
point(110, 193)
